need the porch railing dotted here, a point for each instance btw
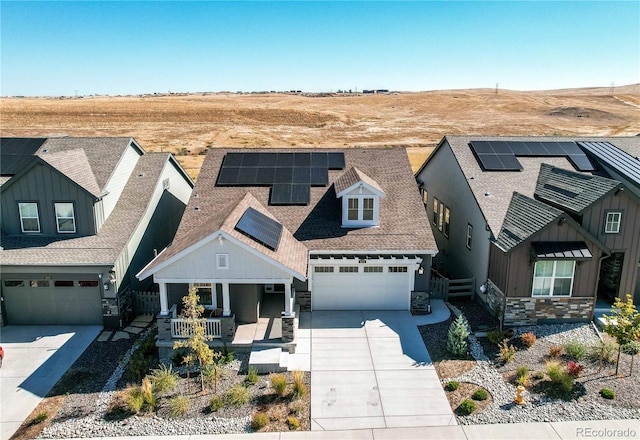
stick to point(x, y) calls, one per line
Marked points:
point(181, 329)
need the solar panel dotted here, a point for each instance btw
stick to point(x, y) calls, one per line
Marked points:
point(581, 162)
point(290, 194)
point(519, 148)
point(319, 160)
point(300, 194)
point(319, 176)
point(509, 162)
point(250, 159)
point(482, 147)
point(570, 147)
point(268, 159)
point(260, 228)
point(501, 147)
point(554, 149)
point(335, 161)
point(247, 176)
point(302, 159)
point(233, 159)
point(265, 175)
point(283, 175)
point(490, 162)
point(302, 175)
point(228, 176)
point(285, 160)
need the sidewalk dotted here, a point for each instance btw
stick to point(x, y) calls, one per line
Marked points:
point(595, 429)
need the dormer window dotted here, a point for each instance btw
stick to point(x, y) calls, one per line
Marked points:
point(360, 199)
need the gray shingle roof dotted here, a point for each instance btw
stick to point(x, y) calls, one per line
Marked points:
point(75, 165)
point(569, 190)
point(501, 185)
point(525, 216)
point(403, 220)
point(103, 248)
point(353, 176)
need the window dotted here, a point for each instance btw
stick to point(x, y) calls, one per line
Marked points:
point(367, 209)
point(63, 283)
point(29, 220)
point(352, 212)
point(222, 261)
point(88, 283)
point(323, 269)
point(373, 269)
point(166, 183)
point(553, 278)
point(397, 269)
point(469, 236)
point(205, 293)
point(612, 222)
point(65, 219)
point(39, 283)
point(348, 269)
point(425, 196)
point(436, 206)
point(446, 228)
point(13, 283)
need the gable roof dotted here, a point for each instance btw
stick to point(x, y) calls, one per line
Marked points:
point(352, 178)
point(569, 190)
point(75, 165)
point(493, 190)
point(104, 247)
point(290, 253)
point(404, 225)
point(623, 162)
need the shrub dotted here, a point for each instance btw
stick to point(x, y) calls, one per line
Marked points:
point(148, 396)
point(178, 406)
point(216, 403)
point(605, 353)
point(252, 375)
point(576, 350)
point(297, 409)
point(495, 336)
point(537, 375)
point(178, 356)
point(299, 388)
point(528, 339)
point(631, 348)
point(237, 396)
point(279, 383)
point(555, 351)
point(163, 379)
point(507, 352)
point(451, 386)
point(138, 365)
point(211, 374)
point(466, 407)
point(134, 400)
point(293, 423)
point(41, 417)
point(562, 381)
point(259, 421)
point(522, 375)
point(607, 393)
point(457, 337)
point(574, 369)
point(480, 395)
point(554, 371)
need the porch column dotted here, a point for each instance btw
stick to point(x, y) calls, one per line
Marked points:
point(226, 303)
point(288, 300)
point(164, 301)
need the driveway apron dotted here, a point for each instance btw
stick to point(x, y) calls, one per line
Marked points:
point(35, 359)
point(370, 369)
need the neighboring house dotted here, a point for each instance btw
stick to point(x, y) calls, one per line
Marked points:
point(330, 229)
point(80, 217)
point(546, 225)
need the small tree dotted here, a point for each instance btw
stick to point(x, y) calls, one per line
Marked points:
point(457, 337)
point(195, 329)
point(632, 349)
point(623, 324)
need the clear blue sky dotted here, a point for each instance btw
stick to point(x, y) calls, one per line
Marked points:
point(121, 47)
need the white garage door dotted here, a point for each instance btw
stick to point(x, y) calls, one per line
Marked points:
point(361, 290)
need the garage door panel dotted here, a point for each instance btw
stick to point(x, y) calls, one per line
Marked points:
point(361, 291)
point(52, 305)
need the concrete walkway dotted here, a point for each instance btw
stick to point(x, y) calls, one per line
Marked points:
point(371, 370)
point(35, 359)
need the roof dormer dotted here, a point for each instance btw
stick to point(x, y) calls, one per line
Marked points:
point(360, 196)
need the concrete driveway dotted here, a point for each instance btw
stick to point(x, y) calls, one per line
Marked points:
point(35, 357)
point(372, 370)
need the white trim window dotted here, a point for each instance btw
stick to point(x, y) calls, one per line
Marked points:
point(205, 293)
point(323, 269)
point(553, 278)
point(349, 269)
point(425, 196)
point(469, 235)
point(29, 219)
point(352, 210)
point(222, 261)
point(397, 269)
point(65, 218)
point(436, 208)
point(367, 209)
point(373, 269)
point(612, 222)
point(447, 222)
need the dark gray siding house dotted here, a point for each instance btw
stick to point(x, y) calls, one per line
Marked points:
point(544, 224)
point(80, 216)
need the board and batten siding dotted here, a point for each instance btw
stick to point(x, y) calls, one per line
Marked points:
point(513, 272)
point(444, 180)
point(119, 178)
point(199, 265)
point(46, 186)
point(627, 241)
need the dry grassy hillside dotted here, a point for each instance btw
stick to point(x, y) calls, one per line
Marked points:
point(187, 124)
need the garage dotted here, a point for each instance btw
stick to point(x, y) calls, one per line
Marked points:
point(53, 302)
point(361, 287)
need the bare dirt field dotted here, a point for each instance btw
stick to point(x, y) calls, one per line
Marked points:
point(188, 124)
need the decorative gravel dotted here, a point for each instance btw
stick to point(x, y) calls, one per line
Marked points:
point(539, 408)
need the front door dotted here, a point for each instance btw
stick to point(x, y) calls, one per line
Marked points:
point(610, 276)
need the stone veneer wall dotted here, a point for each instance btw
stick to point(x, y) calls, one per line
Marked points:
point(227, 328)
point(419, 303)
point(528, 311)
point(288, 328)
point(304, 299)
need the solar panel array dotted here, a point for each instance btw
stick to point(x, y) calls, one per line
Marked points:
point(289, 174)
point(260, 228)
point(501, 155)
